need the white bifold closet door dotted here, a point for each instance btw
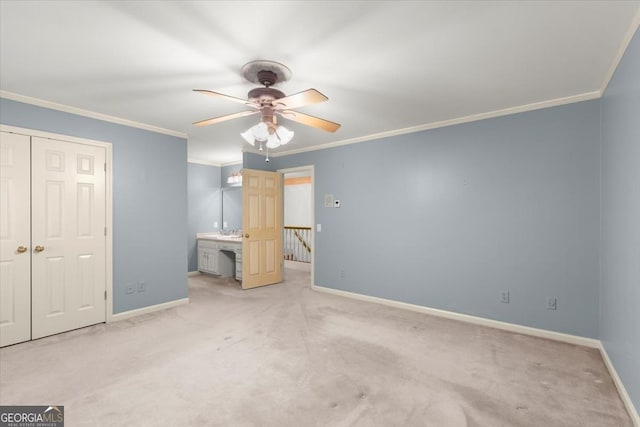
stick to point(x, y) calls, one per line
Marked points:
point(68, 234)
point(15, 239)
point(66, 284)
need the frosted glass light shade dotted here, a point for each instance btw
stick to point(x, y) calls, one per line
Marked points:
point(259, 132)
point(281, 136)
point(248, 136)
point(284, 134)
point(273, 141)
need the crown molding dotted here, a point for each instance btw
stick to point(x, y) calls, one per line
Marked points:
point(635, 23)
point(217, 164)
point(444, 123)
point(234, 163)
point(203, 162)
point(87, 113)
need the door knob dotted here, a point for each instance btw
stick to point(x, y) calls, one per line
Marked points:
point(246, 235)
point(21, 249)
point(39, 248)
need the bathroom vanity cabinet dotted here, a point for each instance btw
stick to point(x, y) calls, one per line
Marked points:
point(220, 255)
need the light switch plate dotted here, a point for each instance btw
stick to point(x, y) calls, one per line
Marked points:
point(328, 200)
point(318, 228)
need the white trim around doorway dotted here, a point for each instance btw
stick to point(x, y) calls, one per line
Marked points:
point(310, 170)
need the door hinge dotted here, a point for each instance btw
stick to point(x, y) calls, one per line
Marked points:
point(105, 231)
point(105, 167)
point(105, 295)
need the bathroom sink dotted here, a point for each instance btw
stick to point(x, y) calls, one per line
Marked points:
point(221, 237)
point(215, 236)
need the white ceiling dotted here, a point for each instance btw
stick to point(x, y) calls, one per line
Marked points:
point(385, 65)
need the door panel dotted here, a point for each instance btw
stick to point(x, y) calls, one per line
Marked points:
point(15, 232)
point(270, 256)
point(262, 228)
point(252, 258)
point(55, 272)
point(86, 277)
point(68, 213)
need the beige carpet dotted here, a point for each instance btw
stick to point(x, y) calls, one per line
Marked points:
point(285, 355)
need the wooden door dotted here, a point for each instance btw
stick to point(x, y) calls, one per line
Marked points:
point(261, 228)
point(68, 236)
point(15, 238)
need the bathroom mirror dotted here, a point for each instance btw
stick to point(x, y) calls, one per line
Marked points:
point(232, 208)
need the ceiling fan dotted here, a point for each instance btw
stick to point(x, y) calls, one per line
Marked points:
point(270, 102)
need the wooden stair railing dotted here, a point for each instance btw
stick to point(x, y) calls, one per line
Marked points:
point(297, 243)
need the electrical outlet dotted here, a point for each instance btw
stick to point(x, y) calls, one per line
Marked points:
point(552, 303)
point(336, 203)
point(142, 287)
point(504, 297)
point(129, 288)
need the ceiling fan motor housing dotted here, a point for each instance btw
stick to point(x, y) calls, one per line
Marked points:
point(267, 77)
point(264, 94)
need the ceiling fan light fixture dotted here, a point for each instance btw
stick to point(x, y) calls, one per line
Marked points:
point(270, 102)
point(279, 137)
point(284, 134)
point(248, 136)
point(273, 141)
point(259, 132)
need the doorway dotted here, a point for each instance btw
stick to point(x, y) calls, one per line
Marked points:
point(298, 233)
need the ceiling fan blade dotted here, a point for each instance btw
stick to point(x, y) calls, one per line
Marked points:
point(300, 99)
point(308, 120)
point(213, 120)
point(229, 97)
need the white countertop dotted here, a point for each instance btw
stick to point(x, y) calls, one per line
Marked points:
point(218, 237)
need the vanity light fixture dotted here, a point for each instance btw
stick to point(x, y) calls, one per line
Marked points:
point(235, 178)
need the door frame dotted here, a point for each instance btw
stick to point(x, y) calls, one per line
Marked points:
point(108, 202)
point(311, 170)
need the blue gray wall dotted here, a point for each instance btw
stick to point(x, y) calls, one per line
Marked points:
point(149, 201)
point(620, 280)
point(448, 218)
point(204, 198)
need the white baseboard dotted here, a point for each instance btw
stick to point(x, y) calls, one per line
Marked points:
point(525, 330)
point(145, 310)
point(633, 413)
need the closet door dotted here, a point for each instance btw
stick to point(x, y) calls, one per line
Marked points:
point(68, 236)
point(15, 239)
